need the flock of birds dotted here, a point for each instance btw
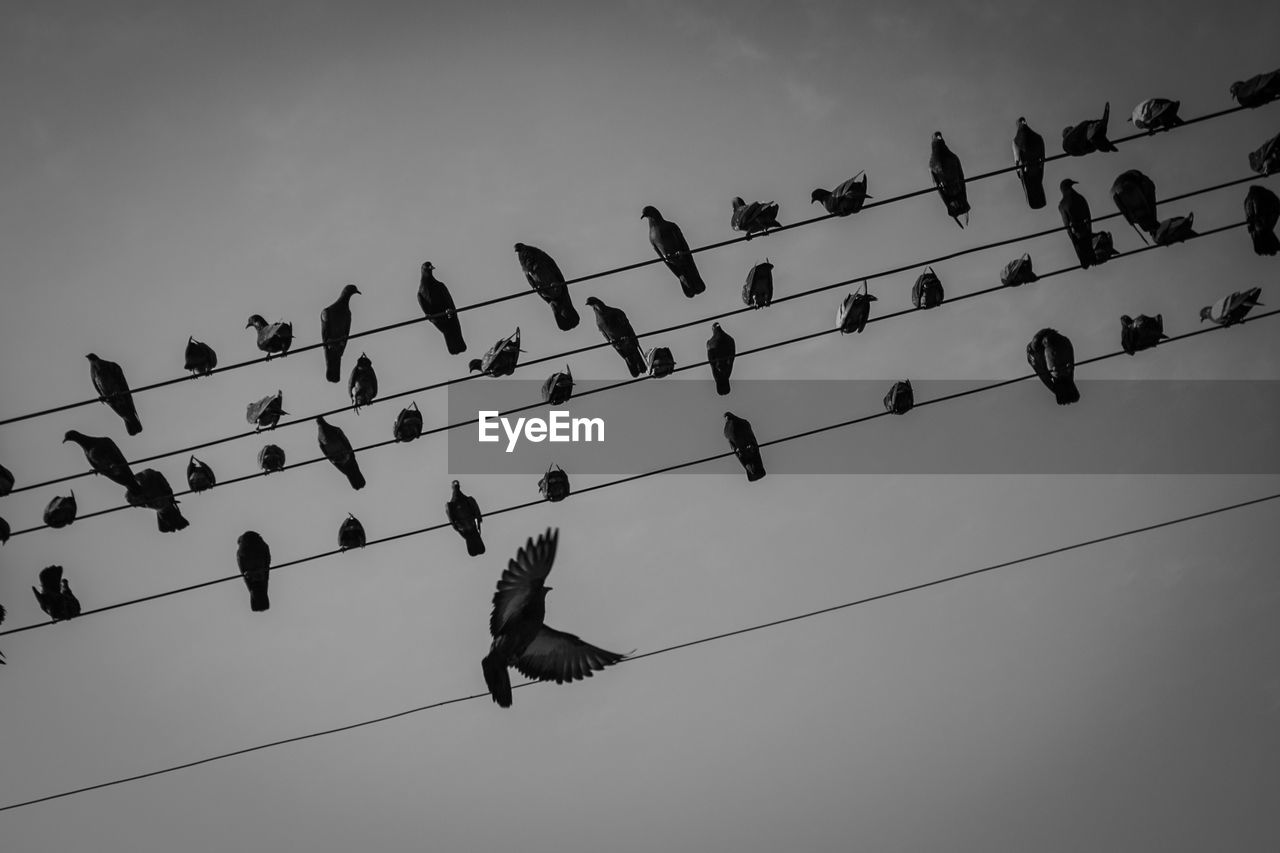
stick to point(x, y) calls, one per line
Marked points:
point(521, 639)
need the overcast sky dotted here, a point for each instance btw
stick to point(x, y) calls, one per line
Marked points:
point(170, 168)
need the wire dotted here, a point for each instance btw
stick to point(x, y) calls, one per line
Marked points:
point(628, 479)
point(900, 591)
point(591, 276)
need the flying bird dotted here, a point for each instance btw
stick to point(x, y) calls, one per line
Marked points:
point(1135, 197)
point(721, 349)
point(1074, 210)
point(200, 476)
point(154, 492)
point(757, 291)
point(437, 305)
point(900, 398)
point(60, 511)
point(464, 514)
point(1257, 90)
point(1052, 357)
point(616, 328)
point(1233, 308)
point(104, 457)
point(660, 362)
point(1266, 159)
point(6, 481)
point(363, 384)
point(554, 485)
point(199, 358)
point(668, 241)
point(521, 637)
point(335, 326)
point(854, 310)
point(948, 178)
point(755, 218)
point(547, 281)
point(337, 449)
point(1088, 136)
point(265, 413)
point(743, 443)
point(55, 596)
point(846, 199)
point(1141, 333)
point(272, 337)
point(927, 291)
point(351, 533)
point(408, 425)
point(502, 357)
point(558, 387)
point(271, 458)
point(1028, 156)
point(1175, 229)
point(1156, 114)
point(113, 389)
point(1261, 212)
point(1018, 271)
point(253, 557)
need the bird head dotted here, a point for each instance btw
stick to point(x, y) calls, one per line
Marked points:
point(820, 195)
point(1236, 87)
point(363, 359)
point(457, 487)
point(594, 302)
point(520, 247)
point(349, 290)
point(92, 357)
point(937, 134)
point(427, 267)
point(737, 202)
point(1206, 313)
point(1022, 121)
point(650, 212)
point(766, 264)
point(255, 321)
point(870, 297)
point(715, 327)
point(77, 437)
point(1126, 320)
point(1066, 184)
point(322, 423)
point(475, 365)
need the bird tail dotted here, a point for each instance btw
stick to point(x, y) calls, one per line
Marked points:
point(497, 679)
point(453, 338)
point(170, 519)
point(755, 470)
point(475, 547)
point(332, 364)
point(132, 425)
point(1033, 187)
point(1066, 392)
point(1265, 242)
point(354, 477)
point(633, 357)
point(566, 314)
point(690, 279)
point(1084, 251)
point(722, 385)
point(258, 598)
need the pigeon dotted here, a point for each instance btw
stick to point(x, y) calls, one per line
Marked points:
point(502, 357)
point(5, 531)
point(103, 457)
point(721, 348)
point(554, 484)
point(1088, 136)
point(464, 514)
point(1175, 229)
point(61, 511)
point(521, 637)
point(253, 557)
point(1257, 90)
point(548, 282)
point(271, 458)
point(755, 218)
point(1142, 333)
point(199, 358)
point(743, 443)
point(437, 305)
point(948, 177)
point(854, 310)
point(757, 292)
point(1018, 271)
point(1103, 248)
point(265, 413)
point(408, 425)
point(200, 476)
point(1028, 157)
point(363, 384)
point(55, 596)
point(1261, 212)
point(926, 292)
point(351, 533)
point(1232, 309)
point(900, 398)
point(154, 492)
point(6, 481)
point(558, 388)
point(113, 389)
point(272, 337)
point(1052, 358)
point(1135, 197)
point(661, 362)
point(337, 449)
point(846, 199)
point(335, 326)
point(616, 328)
point(1266, 159)
point(1156, 114)
point(668, 241)
point(3, 537)
point(1079, 222)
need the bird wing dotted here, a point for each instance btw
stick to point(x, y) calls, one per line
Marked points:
point(521, 579)
point(556, 656)
point(671, 238)
point(1035, 357)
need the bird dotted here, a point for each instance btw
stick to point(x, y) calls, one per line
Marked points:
point(927, 292)
point(154, 492)
point(660, 362)
point(351, 533)
point(1074, 210)
point(335, 326)
point(721, 349)
point(272, 337)
point(502, 357)
point(1088, 136)
point(437, 305)
point(408, 425)
point(854, 310)
point(547, 281)
point(200, 476)
point(1028, 157)
point(5, 531)
point(1141, 333)
point(1135, 197)
point(6, 481)
point(1257, 90)
point(1156, 114)
point(521, 637)
point(271, 458)
point(464, 514)
point(265, 413)
point(60, 511)
point(743, 443)
point(757, 291)
point(755, 218)
point(104, 457)
point(554, 485)
point(846, 199)
point(1052, 358)
point(1266, 159)
point(1261, 212)
point(948, 178)
point(337, 449)
point(113, 389)
point(1175, 229)
point(1233, 308)
point(558, 387)
point(900, 398)
point(199, 358)
point(253, 557)
point(1018, 271)
point(668, 241)
point(616, 328)
point(1104, 247)
point(363, 384)
point(55, 596)
point(3, 536)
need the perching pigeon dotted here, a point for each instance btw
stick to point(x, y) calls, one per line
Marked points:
point(1028, 156)
point(61, 511)
point(502, 357)
point(721, 349)
point(1052, 357)
point(521, 637)
point(199, 358)
point(558, 388)
point(4, 531)
point(554, 484)
point(1156, 114)
point(948, 177)
point(408, 425)
point(351, 533)
point(1079, 222)
point(668, 241)
point(6, 481)
point(660, 361)
point(844, 200)
point(272, 337)
point(3, 536)
point(1261, 212)
point(363, 384)
point(253, 557)
point(1257, 90)
point(1135, 197)
point(1018, 271)
point(900, 398)
point(154, 492)
point(200, 476)
point(337, 449)
point(1266, 160)
point(755, 218)
point(853, 311)
point(927, 291)
point(547, 281)
point(464, 514)
point(103, 457)
point(265, 413)
point(55, 596)
point(1088, 136)
point(271, 458)
point(1232, 309)
point(437, 304)
point(1104, 248)
point(335, 326)
point(743, 443)
point(757, 292)
point(1175, 229)
point(113, 389)
point(1141, 333)
point(616, 328)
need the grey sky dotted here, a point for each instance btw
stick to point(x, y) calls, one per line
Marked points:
point(171, 168)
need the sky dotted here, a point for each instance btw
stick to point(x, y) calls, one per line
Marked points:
point(171, 168)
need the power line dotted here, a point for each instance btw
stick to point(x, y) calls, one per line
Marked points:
point(900, 591)
point(592, 276)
